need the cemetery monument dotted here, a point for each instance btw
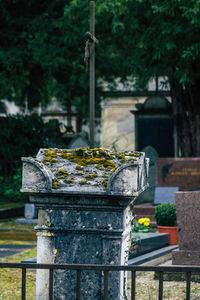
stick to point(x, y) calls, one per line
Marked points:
point(84, 199)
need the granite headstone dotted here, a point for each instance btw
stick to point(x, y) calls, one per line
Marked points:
point(188, 220)
point(179, 172)
point(149, 193)
point(30, 211)
point(165, 195)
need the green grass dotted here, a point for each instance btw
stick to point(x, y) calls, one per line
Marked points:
point(12, 242)
point(8, 205)
point(11, 224)
point(10, 279)
point(9, 230)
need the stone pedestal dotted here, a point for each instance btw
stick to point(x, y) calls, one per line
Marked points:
point(84, 200)
point(188, 220)
point(82, 230)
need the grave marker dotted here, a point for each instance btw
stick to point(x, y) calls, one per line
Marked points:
point(30, 211)
point(148, 195)
point(84, 198)
point(181, 172)
point(188, 220)
point(165, 195)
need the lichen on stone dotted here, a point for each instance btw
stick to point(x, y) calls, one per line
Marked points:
point(79, 151)
point(104, 175)
point(91, 176)
point(84, 166)
point(78, 167)
point(136, 154)
point(83, 182)
point(62, 173)
point(79, 173)
point(105, 183)
point(71, 180)
point(66, 155)
point(120, 155)
point(54, 160)
point(50, 152)
point(100, 167)
point(132, 159)
point(55, 184)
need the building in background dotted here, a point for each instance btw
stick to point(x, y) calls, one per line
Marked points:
point(133, 120)
point(142, 121)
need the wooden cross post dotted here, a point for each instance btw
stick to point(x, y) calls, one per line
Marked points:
point(90, 56)
point(92, 74)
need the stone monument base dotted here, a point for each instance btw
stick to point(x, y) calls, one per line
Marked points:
point(185, 257)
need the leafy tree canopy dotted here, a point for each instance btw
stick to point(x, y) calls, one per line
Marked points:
point(165, 41)
point(42, 51)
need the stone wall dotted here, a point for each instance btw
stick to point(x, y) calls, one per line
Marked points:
point(118, 124)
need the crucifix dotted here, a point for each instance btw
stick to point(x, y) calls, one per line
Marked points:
point(90, 58)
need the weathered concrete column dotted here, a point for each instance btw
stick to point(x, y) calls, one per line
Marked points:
point(84, 199)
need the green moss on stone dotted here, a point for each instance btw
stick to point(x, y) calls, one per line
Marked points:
point(62, 173)
point(109, 164)
point(105, 183)
point(50, 153)
point(79, 173)
point(79, 167)
point(120, 155)
point(91, 176)
point(100, 167)
point(68, 156)
point(79, 151)
point(83, 182)
point(55, 184)
point(71, 180)
point(136, 154)
point(104, 175)
point(53, 161)
point(132, 159)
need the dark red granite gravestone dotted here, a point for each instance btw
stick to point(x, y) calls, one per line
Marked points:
point(188, 220)
point(181, 172)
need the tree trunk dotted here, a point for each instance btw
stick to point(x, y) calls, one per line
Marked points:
point(186, 112)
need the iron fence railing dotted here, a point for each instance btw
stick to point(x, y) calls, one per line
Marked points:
point(188, 270)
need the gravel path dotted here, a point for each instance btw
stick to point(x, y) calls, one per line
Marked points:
point(11, 249)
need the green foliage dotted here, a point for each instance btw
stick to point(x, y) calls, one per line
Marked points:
point(42, 53)
point(42, 50)
point(21, 136)
point(165, 214)
point(10, 188)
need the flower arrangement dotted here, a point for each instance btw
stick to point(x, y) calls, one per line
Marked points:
point(142, 225)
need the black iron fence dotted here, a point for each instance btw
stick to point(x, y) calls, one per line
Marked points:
point(188, 270)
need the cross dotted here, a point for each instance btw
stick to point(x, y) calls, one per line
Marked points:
point(90, 56)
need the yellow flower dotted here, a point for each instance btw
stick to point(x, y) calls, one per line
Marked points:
point(140, 221)
point(146, 220)
point(146, 223)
